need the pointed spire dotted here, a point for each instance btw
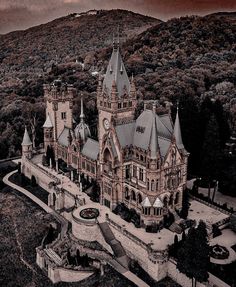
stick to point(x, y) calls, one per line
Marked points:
point(26, 139)
point(82, 110)
point(48, 123)
point(177, 131)
point(153, 140)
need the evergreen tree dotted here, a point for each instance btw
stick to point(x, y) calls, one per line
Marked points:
point(185, 205)
point(211, 151)
point(186, 256)
point(202, 258)
point(193, 257)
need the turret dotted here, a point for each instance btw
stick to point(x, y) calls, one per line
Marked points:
point(27, 146)
point(82, 131)
point(177, 132)
point(48, 132)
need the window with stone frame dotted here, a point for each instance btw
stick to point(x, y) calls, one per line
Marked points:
point(141, 174)
point(127, 171)
point(63, 115)
point(135, 171)
point(152, 185)
point(83, 164)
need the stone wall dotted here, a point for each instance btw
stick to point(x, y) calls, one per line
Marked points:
point(89, 232)
point(157, 268)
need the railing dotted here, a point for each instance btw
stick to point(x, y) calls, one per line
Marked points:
point(210, 204)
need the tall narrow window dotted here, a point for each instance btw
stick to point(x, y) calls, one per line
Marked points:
point(141, 174)
point(63, 115)
point(134, 171)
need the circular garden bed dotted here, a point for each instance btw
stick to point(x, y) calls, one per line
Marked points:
point(219, 252)
point(89, 213)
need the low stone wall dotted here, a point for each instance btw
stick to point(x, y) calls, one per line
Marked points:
point(60, 274)
point(155, 264)
point(42, 178)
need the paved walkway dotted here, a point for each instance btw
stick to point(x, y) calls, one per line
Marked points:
point(45, 207)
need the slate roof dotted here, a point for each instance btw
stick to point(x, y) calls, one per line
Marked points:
point(91, 149)
point(116, 71)
point(146, 202)
point(177, 132)
point(26, 139)
point(158, 203)
point(125, 134)
point(63, 137)
point(149, 131)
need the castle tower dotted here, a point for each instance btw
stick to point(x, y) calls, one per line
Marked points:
point(27, 146)
point(59, 103)
point(48, 133)
point(116, 95)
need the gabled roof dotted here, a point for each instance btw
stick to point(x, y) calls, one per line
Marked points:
point(91, 149)
point(48, 123)
point(26, 139)
point(116, 72)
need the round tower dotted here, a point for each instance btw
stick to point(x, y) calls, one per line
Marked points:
point(27, 146)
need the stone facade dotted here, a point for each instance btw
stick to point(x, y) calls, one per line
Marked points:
point(141, 163)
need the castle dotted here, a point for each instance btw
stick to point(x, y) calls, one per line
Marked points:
point(141, 163)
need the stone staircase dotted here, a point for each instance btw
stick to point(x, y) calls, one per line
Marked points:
point(116, 246)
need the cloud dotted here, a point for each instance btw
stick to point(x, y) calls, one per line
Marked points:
point(19, 14)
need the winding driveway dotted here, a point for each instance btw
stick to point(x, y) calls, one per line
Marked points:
point(45, 207)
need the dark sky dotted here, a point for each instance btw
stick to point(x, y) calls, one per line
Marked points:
point(20, 14)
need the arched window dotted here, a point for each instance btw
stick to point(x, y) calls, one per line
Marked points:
point(140, 198)
point(152, 185)
point(126, 192)
point(148, 184)
point(157, 185)
point(133, 195)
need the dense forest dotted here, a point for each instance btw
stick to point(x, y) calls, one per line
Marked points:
point(191, 60)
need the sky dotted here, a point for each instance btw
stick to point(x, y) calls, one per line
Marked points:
point(21, 14)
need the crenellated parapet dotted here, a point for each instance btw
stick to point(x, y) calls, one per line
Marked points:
point(59, 91)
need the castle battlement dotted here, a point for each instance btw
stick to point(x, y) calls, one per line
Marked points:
point(59, 90)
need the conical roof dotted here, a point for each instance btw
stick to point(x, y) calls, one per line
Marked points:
point(26, 138)
point(158, 203)
point(146, 202)
point(48, 123)
point(154, 139)
point(177, 132)
point(82, 130)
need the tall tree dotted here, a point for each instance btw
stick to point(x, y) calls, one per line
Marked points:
point(202, 253)
point(193, 257)
point(211, 151)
